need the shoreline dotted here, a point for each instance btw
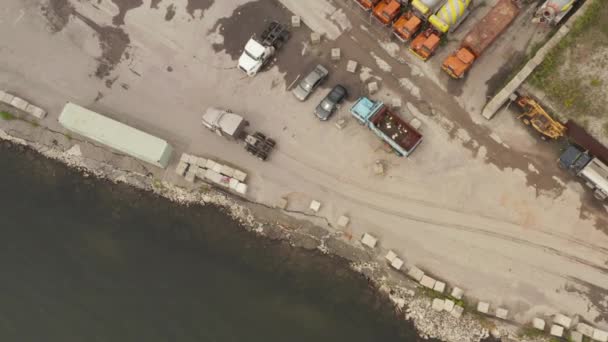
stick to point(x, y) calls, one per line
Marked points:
point(410, 303)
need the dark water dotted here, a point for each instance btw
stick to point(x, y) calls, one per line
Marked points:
point(84, 260)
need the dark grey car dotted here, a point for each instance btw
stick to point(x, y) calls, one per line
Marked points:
point(310, 82)
point(329, 104)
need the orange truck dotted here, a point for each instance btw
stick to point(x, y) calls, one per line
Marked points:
point(367, 5)
point(386, 11)
point(445, 20)
point(410, 22)
point(481, 36)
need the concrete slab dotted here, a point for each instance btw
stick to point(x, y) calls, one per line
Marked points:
point(600, 335)
point(457, 311)
point(343, 221)
point(562, 320)
point(397, 263)
point(457, 293)
point(502, 313)
point(538, 323)
point(415, 273)
point(557, 330)
point(584, 329)
point(315, 206)
point(438, 304)
point(428, 282)
point(448, 305)
point(439, 286)
point(369, 240)
point(483, 307)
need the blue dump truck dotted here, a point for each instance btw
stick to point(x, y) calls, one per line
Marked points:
point(398, 134)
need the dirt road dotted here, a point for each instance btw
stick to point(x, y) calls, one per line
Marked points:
point(480, 205)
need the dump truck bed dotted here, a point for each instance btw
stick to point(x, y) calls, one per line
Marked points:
point(396, 132)
point(485, 32)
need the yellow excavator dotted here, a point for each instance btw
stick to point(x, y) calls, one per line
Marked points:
point(534, 115)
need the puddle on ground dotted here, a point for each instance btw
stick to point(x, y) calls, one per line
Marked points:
point(124, 6)
point(202, 5)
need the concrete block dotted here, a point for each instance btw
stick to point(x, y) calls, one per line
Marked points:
point(390, 256)
point(584, 329)
point(600, 335)
point(2, 93)
point(240, 176)
point(335, 54)
point(457, 311)
point(538, 323)
point(439, 286)
point(351, 66)
point(343, 221)
point(415, 273)
point(427, 281)
point(19, 103)
point(562, 320)
point(341, 123)
point(201, 162)
point(438, 304)
point(397, 263)
point(241, 188)
point(217, 167)
point(181, 168)
point(315, 38)
point(378, 167)
point(227, 171)
point(190, 175)
point(296, 21)
point(212, 176)
point(7, 98)
point(282, 203)
point(396, 103)
point(483, 307)
point(210, 164)
point(372, 87)
point(36, 112)
point(200, 172)
point(416, 123)
point(448, 305)
point(185, 157)
point(457, 293)
point(369, 240)
point(576, 336)
point(502, 313)
point(232, 183)
point(315, 206)
point(557, 330)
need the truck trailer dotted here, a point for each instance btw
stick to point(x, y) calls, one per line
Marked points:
point(259, 51)
point(445, 20)
point(480, 37)
point(398, 134)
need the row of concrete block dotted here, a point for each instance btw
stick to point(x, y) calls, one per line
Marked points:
point(192, 167)
point(424, 280)
point(22, 104)
point(578, 331)
point(484, 308)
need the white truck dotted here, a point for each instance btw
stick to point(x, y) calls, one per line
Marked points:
point(258, 52)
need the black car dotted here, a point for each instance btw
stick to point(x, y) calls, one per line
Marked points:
point(329, 104)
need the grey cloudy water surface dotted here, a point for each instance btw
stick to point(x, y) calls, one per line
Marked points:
point(86, 260)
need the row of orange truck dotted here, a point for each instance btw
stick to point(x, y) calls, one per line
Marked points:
point(424, 23)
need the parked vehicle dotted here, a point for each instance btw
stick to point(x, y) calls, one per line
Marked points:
point(553, 11)
point(446, 19)
point(386, 11)
point(587, 167)
point(228, 124)
point(411, 21)
point(402, 137)
point(535, 115)
point(367, 5)
point(329, 104)
point(309, 83)
point(258, 52)
point(481, 36)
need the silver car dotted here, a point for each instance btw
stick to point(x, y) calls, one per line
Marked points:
point(310, 82)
